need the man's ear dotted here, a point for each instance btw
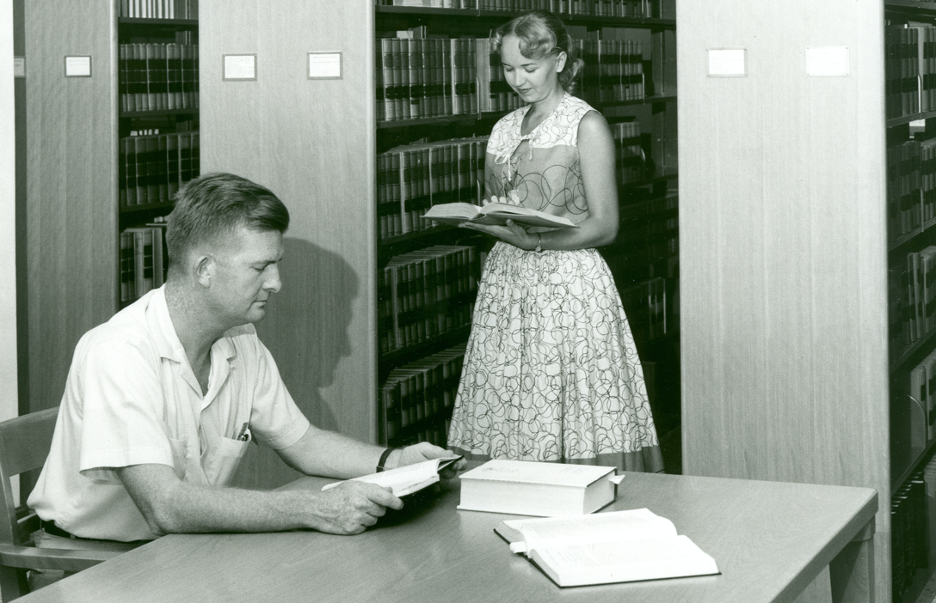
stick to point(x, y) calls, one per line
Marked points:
point(203, 268)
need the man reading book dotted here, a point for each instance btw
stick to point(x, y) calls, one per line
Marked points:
point(162, 401)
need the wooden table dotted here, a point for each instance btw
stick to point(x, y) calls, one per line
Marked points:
point(770, 540)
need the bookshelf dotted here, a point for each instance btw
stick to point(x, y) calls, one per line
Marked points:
point(641, 110)
point(158, 145)
point(801, 204)
point(69, 235)
point(318, 144)
point(73, 125)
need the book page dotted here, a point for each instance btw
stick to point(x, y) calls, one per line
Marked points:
point(592, 528)
point(456, 209)
point(611, 562)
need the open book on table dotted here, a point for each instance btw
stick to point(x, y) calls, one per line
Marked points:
point(494, 213)
point(611, 547)
point(406, 479)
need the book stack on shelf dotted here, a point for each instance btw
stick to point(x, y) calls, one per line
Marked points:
point(154, 167)
point(159, 9)
point(613, 64)
point(422, 76)
point(631, 160)
point(416, 399)
point(910, 550)
point(159, 76)
point(158, 145)
point(911, 69)
point(426, 293)
point(412, 178)
point(929, 487)
point(143, 260)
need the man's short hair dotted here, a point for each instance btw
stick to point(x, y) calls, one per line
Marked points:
point(219, 204)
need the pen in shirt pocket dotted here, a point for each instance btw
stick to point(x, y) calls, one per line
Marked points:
point(243, 434)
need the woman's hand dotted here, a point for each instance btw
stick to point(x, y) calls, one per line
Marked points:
point(513, 233)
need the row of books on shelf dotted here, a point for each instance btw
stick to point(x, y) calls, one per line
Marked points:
point(153, 168)
point(603, 8)
point(416, 399)
point(631, 161)
point(613, 70)
point(911, 529)
point(913, 295)
point(143, 260)
point(911, 186)
point(910, 68)
point(412, 178)
point(426, 293)
point(159, 9)
point(158, 76)
point(419, 76)
point(920, 423)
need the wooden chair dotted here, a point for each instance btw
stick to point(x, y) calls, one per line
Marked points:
point(24, 446)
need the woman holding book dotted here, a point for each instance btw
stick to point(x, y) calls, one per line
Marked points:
point(551, 371)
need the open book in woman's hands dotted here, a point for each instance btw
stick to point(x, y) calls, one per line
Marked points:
point(496, 213)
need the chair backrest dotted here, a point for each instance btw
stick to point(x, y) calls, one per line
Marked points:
point(24, 445)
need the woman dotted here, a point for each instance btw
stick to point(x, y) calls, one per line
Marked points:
point(551, 371)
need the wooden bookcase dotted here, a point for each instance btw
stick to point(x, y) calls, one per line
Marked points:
point(73, 126)
point(794, 367)
point(647, 247)
point(158, 138)
point(70, 233)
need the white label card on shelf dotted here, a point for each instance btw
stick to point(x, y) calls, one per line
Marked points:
point(827, 61)
point(239, 67)
point(727, 62)
point(324, 65)
point(78, 67)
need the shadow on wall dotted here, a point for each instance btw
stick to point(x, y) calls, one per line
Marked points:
point(306, 330)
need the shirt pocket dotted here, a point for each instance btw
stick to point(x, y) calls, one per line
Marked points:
point(223, 460)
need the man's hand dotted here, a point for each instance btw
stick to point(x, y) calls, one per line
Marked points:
point(423, 452)
point(351, 507)
point(173, 506)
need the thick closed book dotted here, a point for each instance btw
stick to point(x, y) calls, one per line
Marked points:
point(407, 479)
point(494, 213)
point(537, 488)
point(611, 547)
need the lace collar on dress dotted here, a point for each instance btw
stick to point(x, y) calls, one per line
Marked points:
point(537, 137)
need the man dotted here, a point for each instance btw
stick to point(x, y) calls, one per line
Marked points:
point(162, 400)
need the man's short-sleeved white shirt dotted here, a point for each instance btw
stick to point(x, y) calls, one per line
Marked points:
point(131, 398)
